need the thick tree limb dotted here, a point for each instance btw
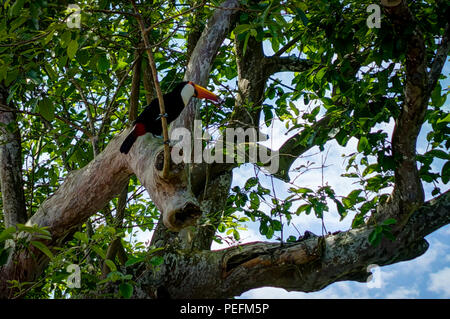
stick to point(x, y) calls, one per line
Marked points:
point(11, 182)
point(199, 66)
point(83, 193)
point(302, 142)
point(439, 60)
point(274, 64)
point(308, 265)
point(408, 194)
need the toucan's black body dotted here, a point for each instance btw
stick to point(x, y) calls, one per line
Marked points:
point(149, 121)
point(150, 116)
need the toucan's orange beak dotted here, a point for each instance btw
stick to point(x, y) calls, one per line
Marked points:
point(202, 93)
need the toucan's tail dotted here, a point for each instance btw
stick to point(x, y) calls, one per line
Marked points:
point(139, 129)
point(128, 143)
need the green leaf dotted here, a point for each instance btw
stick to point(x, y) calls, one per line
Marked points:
point(291, 239)
point(358, 221)
point(156, 261)
point(439, 154)
point(301, 14)
point(66, 38)
point(445, 173)
point(7, 233)
point(126, 290)
point(390, 221)
point(16, 8)
point(99, 251)
point(302, 208)
point(263, 228)
point(363, 144)
point(254, 201)
point(247, 36)
point(241, 28)
point(81, 236)
point(103, 64)
point(134, 260)
point(42, 247)
point(302, 190)
point(252, 181)
point(236, 234)
point(11, 76)
point(51, 73)
point(436, 99)
point(72, 49)
point(320, 74)
point(375, 237)
point(4, 254)
point(276, 224)
point(110, 265)
point(445, 119)
point(17, 23)
point(341, 209)
point(47, 109)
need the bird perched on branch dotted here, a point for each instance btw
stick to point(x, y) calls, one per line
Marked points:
point(149, 121)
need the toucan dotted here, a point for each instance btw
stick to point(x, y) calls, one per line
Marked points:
point(149, 121)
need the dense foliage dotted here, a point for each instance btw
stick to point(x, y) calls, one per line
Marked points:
point(71, 90)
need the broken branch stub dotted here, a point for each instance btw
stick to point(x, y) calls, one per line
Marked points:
point(172, 195)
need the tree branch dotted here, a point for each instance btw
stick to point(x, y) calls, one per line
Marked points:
point(288, 45)
point(162, 110)
point(83, 193)
point(11, 181)
point(307, 265)
point(439, 59)
point(199, 66)
point(408, 194)
point(274, 64)
point(300, 143)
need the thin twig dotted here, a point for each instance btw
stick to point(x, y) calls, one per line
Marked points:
point(111, 12)
point(162, 110)
point(113, 99)
point(62, 119)
point(145, 31)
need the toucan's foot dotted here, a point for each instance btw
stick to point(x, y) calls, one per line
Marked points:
point(162, 115)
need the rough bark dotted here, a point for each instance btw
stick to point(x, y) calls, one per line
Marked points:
point(307, 265)
point(408, 194)
point(11, 182)
point(199, 65)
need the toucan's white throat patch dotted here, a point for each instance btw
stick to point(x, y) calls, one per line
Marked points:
point(187, 92)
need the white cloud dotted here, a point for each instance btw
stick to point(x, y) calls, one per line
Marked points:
point(423, 264)
point(340, 290)
point(445, 230)
point(403, 293)
point(440, 282)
